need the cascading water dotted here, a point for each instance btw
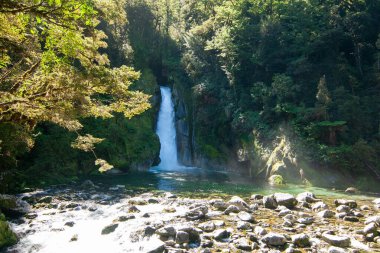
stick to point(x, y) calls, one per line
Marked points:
point(166, 131)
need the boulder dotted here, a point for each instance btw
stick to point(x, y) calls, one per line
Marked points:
point(269, 202)
point(154, 246)
point(232, 209)
point(307, 197)
point(301, 240)
point(45, 199)
point(338, 241)
point(274, 239)
point(375, 219)
point(370, 228)
point(13, 207)
point(196, 213)
point(285, 199)
point(168, 231)
point(218, 204)
point(243, 225)
point(333, 249)
point(244, 216)
point(343, 209)
point(239, 202)
point(208, 226)
point(319, 206)
point(276, 180)
point(351, 190)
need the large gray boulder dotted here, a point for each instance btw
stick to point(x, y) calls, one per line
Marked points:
point(308, 197)
point(274, 239)
point(269, 202)
point(244, 216)
point(301, 240)
point(285, 199)
point(13, 207)
point(239, 202)
point(335, 240)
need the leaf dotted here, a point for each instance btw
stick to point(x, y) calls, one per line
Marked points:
point(104, 165)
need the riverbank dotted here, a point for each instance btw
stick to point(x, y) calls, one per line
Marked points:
point(95, 218)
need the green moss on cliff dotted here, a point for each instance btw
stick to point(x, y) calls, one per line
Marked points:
point(7, 237)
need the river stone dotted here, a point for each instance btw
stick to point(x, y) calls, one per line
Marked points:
point(269, 202)
point(301, 240)
point(126, 217)
point(326, 214)
point(232, 209)
point(244, 216)
point(208, 226)
point(109, 229)
point(31, 216)
point(239, 202)
point(256, 197)
point(351, 190)
point(221, 234)
point(285, 199)
point(70, 223)
point(343, 209)
point(153, 201)
point(351, 218)
point(219, 204)
point(133, 209)
point(254, 207)
point(274, 239)
point(243, 225)
point(370, 228)
point(46, 199)
point(375, 219)
point(196, 213)
point(138, 201)
point(333, 249)
point(306, 220)
point(243, 244)
point(334, 240)
point(350, 203)
point(167, 231)
point(376, 201)
point(182, 237)
point(149, 231)
point(319, 206)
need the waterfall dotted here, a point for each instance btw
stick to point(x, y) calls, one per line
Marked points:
point(166, 131)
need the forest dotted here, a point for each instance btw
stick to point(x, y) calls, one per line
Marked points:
point(264, 93)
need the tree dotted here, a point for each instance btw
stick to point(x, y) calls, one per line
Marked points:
point(51, 68)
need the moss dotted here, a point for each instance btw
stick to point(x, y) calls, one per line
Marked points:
point(276, 180)
point(7, 237)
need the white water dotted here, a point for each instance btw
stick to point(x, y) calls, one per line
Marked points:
point(166, 131)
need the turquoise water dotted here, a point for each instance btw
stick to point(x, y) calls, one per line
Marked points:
point(197, 181)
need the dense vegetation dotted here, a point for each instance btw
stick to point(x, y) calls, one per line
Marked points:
point(255, 76)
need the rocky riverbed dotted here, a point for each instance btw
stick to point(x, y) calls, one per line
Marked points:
point(90, 218)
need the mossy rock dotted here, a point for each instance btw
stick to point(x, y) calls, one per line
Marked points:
point(276, 180)
point(7, 237)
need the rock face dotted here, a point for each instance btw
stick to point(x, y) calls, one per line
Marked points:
point(274, 239)
point(285, 199)
point(338, 241)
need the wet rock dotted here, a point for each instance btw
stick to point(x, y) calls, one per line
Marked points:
point(232, 209)
point(13, 207)
point(149, 231)
point(70, 223)
point(253, 207)
point(276, 180)
point(375, 219)
point(351, 190)
point(301, 240)
point(239, 202)
point(146, 215)
point(109, 229)
point(207, 244)
point(196, 213)
point(207, 226)
point(274, 239)
point(243, 244)
point(153, 201)
point(244, 216)
point(269, 202)
point(31, 216)
point(326, 214)
point(182, 237)
point(72, 205)
point(221, 234)
point(338, 241)
point(133, 209)
point(319, 206)
point(126, 217)
point(138, 201)
point(46, 199)
point(333, 249)
point(351, 218)
point(350, 203)
point(285, 199)
point(74, 238)
point(364, 208)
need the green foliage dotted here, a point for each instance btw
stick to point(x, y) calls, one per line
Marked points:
point(7, 237)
